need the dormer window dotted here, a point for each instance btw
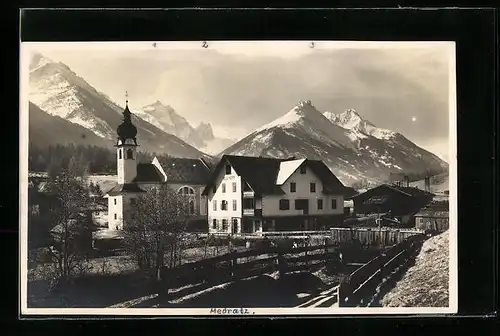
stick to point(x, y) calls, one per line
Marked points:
point(303, 169)
point(228, 169)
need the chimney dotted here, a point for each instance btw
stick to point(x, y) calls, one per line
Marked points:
point(427, 182)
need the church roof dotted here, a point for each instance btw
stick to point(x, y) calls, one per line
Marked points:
point(148, 173)
point(126, 130)
point(125, 188)
point(184, 170)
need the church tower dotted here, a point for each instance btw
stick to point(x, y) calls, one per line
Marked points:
point(126, 149)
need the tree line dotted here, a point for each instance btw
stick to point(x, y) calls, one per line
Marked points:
point(81, 159)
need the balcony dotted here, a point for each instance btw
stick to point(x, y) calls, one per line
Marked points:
point(248, 194)
point(252, 212)
point(248, 212)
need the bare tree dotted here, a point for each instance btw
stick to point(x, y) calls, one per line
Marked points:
point(155, 228)
point(71, 233)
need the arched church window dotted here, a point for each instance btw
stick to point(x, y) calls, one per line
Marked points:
point(130, 154)
point(120, 153)
point(186, 191)
point(189, 193)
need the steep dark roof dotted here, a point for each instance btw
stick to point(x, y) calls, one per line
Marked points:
point(123, 188)
point(331, 184)
point(414, 191)
point(261, 173)
point(386, 189)
point(147, 172)
point(183, 170)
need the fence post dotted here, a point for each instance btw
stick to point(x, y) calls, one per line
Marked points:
point(281, 264)
point(163, 285)
point(343, 293)
point(234, 262)
point(326, 252)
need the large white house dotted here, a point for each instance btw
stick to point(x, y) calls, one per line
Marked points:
point(255, 194)
point(187, 176)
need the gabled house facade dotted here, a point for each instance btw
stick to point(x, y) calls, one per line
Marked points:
point(255, 194)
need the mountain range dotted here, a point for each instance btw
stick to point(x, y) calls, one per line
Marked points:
point(59, 92)
point(351, 146)
point(65, 108)
point(167, 119)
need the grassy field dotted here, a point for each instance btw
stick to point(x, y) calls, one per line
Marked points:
point(107, 281)
point(115, 280)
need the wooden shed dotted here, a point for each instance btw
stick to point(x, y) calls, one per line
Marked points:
point(396, 200)
point(431, 219)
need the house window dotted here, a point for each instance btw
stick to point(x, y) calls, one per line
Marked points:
point(293, 187)
point(223, 205)
point(224, 224)
point(228, 169)
point(223, 187)
point(312, 187)
point(235, 225)
point(284, 204)
point(130, 154)
point(234, 186)
point(303, 169)
point(120, 153)
point(320, 204)
point(214, 224)
point(334, 203)
point(115, 200)
point(133, 201)
point(115, 216)
point(214, 202)
point(234, 205)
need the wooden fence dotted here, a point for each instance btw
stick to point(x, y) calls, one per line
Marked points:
point(372, 236)
point(203, 274)
point(340, 235)
point(362, 283)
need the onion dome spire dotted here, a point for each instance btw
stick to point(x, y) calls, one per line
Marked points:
point(126, 130)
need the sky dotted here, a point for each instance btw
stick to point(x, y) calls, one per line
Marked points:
point(240, 86)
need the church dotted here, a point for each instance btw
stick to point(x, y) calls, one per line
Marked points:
point(186, 176)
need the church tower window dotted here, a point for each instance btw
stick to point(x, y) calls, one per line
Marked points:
point(130, 154)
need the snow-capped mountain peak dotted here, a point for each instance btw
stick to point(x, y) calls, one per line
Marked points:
point(348, 119)
point(303, 110)
point(205, 131)
point(351, 146)
point(38, 61)
point(359, 127)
